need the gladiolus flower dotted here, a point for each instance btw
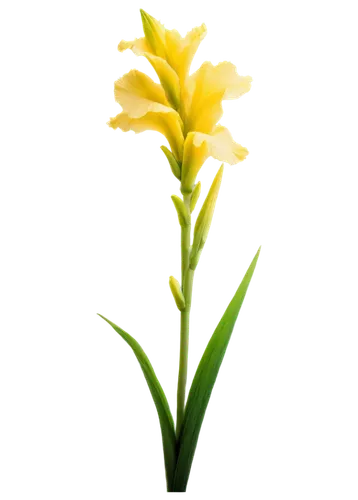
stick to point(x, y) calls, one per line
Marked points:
point(185, 109)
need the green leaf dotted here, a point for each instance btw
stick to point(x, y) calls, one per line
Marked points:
point(160, 401)
point(204, 381)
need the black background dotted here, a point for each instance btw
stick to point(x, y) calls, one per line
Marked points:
point(132, 243)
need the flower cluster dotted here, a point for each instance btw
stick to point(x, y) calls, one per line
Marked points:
point(184, 108)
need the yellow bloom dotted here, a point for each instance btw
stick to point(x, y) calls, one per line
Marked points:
point(176, 52)
point(138, 94)
point(178, 49)
point(198, 147)
point(181, 51)
point(206, 89)
point(186, 109)
point(145, 107)
point(163, 123)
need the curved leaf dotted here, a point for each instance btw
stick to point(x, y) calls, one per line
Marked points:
point(160, 401)
point(203, 383)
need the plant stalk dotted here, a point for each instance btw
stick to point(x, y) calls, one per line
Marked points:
point(187, 287)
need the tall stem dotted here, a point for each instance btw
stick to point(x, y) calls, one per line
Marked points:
point(187, 286)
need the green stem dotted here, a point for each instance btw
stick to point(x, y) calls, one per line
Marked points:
point(187, 287)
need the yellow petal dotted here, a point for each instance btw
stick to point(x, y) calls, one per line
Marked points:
point(137, 93)
point(203, 118)
point(193, 39)
point(198, 147)
point(168, 78)
point(154, 33)
point(225, 148)
point(194, 158)
point(163, 120)
point(180, 51)
point(137, 46)
point(206, 89)
point(174, 40)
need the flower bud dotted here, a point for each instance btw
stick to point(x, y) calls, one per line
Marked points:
point(168, 78)
point(177, 293)
point(195, 196)
point(204, 219)
point(181, 210)
point(174, 165)
point(154, 33)
point(195, 155)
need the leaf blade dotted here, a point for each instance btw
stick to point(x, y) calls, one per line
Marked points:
point(204, 380)
point(160, 401)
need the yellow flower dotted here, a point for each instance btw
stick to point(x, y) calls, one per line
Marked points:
point(145, 107)
point(198, 147)
point(168, 43)
point(206, 89)
point(167, 50)
point(186, 109)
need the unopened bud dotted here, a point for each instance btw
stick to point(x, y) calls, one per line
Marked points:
point(181, 210)
point(174, 165)
point(168, 78)
point(204, 219)
point(195, 196)
point(177, 293)
point(154, 33)
point(195, 153)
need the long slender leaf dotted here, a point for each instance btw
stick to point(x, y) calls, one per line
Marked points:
point(204, 381)
point(160, 401)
